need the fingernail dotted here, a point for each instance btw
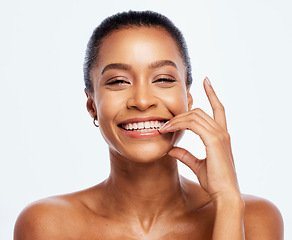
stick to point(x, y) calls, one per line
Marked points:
point(208, 81)
point(163, 126)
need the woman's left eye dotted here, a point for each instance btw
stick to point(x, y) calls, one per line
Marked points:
point(170, 80)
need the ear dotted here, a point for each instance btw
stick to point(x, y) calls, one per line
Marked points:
point(190, 101)
point(90, 104)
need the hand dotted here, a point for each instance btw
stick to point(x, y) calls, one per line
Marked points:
point(216, 173)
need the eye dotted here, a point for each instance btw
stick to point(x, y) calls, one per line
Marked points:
point(165, 80)
point(116, 82)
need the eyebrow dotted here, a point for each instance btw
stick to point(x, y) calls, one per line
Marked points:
point(123, 66)
point(163, 63)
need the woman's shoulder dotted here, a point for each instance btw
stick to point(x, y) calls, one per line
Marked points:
point(255, 207)
point(56, 217)
point(42, 219)
point(262, 218)
point(259, 205)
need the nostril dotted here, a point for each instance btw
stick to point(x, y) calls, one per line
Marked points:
point(141, 101)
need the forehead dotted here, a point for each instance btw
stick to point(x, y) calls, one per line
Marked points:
point(138, 46)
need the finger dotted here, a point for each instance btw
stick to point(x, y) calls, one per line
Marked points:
point(187, 158)
point(186, 120)
point(209, 137)
point(217, 107)
point(207, 118)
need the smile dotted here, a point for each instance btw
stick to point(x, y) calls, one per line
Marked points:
point(146, 126)
point(142, 128)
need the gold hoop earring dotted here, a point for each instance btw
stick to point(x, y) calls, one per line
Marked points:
point(95, 122)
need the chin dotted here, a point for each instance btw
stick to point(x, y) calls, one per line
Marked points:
point(150, 151)
point(142, 153)
point(148, 155)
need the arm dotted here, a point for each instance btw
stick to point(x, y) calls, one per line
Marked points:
point(216, 173)
point(229, 221)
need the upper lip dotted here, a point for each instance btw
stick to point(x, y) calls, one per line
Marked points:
point(135, 120)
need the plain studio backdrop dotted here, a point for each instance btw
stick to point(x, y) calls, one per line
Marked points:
point(49, 145)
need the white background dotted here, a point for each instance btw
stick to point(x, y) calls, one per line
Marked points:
point(48, 143)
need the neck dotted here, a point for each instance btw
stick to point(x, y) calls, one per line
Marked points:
point(144, 191)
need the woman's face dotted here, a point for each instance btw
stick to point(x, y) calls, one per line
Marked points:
point(139, 83)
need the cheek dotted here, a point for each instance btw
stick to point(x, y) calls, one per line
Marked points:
point(105, 107)
point(176, 101)
point(108, 107)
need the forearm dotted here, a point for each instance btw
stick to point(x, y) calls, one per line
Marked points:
point(229, 219)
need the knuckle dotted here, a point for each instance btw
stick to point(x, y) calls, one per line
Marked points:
point(221, 107)
point(227, 136)
point(214, 139)
point(218, 106)
point(193, 122)
point(221, 136)
point(183, 157)
point(192, 115)
point(198, 110)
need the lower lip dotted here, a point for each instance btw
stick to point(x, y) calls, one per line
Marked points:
point(140, 135)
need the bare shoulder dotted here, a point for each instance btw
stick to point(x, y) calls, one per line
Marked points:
point(58, 217)
point(42, 219)
point(262, 219)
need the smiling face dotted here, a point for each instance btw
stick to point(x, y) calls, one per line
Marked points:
point(139, 83)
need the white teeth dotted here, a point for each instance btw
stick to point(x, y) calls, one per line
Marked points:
point(147, 124)
point(143, 126)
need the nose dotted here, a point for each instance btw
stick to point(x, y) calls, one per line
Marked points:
point(142, 97)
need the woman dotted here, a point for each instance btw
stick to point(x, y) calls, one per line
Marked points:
point(138, 75)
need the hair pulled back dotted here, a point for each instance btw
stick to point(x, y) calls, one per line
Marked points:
point(126, 20)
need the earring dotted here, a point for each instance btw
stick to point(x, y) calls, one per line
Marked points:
point(95, 122)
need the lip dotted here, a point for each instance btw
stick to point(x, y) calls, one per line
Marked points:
point(141, 135)
point(132, 120)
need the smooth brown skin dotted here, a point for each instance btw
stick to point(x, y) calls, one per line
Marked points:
point(144, 196)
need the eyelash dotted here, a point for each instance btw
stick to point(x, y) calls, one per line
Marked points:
point(119, 81)
point(165, 80)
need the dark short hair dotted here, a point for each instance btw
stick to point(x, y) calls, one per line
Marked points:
point(125, 20)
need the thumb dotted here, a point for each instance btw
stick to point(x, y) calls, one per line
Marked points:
point(187, 158)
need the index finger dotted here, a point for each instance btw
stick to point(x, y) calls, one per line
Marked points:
point(217, 107)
